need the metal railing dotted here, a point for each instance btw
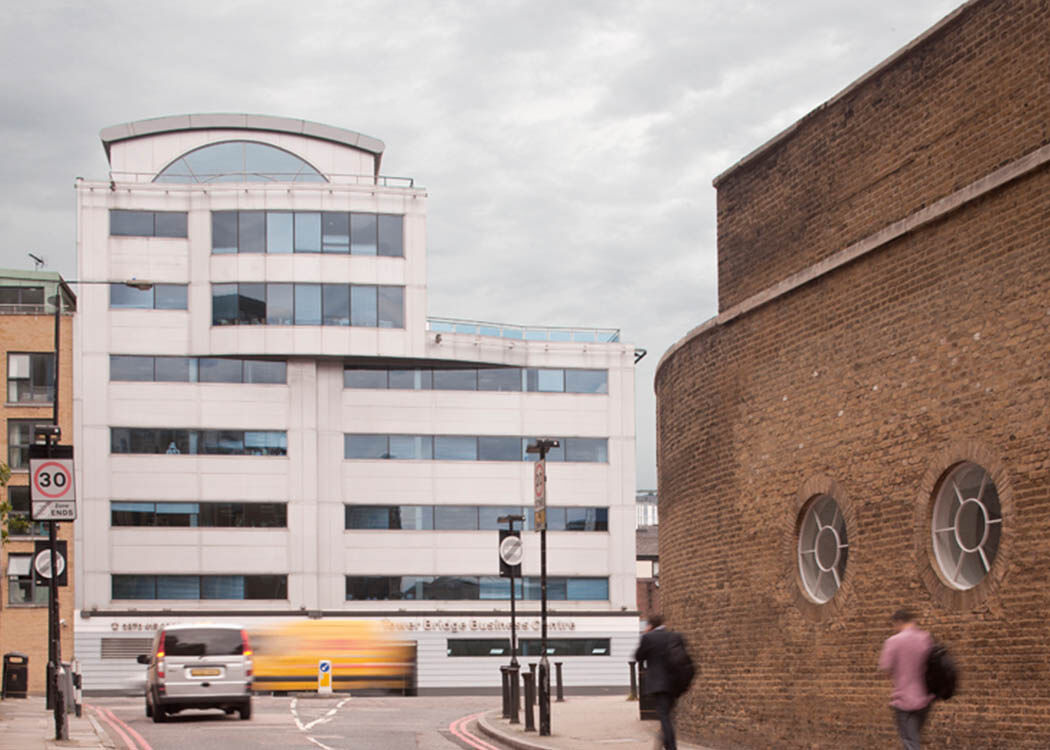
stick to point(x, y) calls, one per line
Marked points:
point(524, 333)
point(269, 179)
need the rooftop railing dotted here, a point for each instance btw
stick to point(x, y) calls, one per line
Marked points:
point(524, 333)
point(255, 179)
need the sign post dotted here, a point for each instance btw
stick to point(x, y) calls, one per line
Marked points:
point(541, 446)
point(324, 677)
point(510, 554)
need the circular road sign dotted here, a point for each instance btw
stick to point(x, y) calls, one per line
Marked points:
point(510, 550)
point(42, 563)
point(52, 479)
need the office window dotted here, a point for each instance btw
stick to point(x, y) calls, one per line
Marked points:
point(30, 377)
point(589, 450)
point(586, 381)
point(363, 234)
point(251, 232)
point(223, 232)
point(146, 440)
point(528, 647)
point(544, 380)
point(307, 232)
point(280, 304)
point(191, 369)
point(251, 304)
point(363, 302)
point(336, 233)
point(198, 587)
point(471, 588)
point(499, 448)
point(19, 521)
point(456, 517)
point(471, 448)
point(157, 297)
point(21, 587)
point(307, 304)
point(280, 232)
point(471, 517)
point(21, 299)
point(387, 517)
point(123, 223)
point(499, 379)
point(411, 380)
point(223, 304)
point(455, 380)
point(207, 514)
point(301, 304)
point(353, 378)
point(455, 448)
point(335, 304)
point(19, 438)
point(391, 235)
point(174, 369)
point(391, 312)
point(220, 370)
point(265, 371)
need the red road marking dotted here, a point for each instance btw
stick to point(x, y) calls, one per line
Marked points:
point(458, 730)
point(138, 743)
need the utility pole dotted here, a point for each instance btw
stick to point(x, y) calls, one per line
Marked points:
point(510, 554)
point(542, 446)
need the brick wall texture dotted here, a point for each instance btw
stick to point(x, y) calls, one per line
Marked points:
point(869, 383)
point(23, 628)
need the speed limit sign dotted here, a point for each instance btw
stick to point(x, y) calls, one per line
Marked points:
point(51, 489)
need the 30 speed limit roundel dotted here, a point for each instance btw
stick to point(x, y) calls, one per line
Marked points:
point(52, 479)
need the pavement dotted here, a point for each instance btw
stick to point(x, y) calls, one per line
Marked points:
point(582, 723)
point(579, 723)
point(26, 724)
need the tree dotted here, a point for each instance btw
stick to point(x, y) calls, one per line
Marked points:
point(5, 505)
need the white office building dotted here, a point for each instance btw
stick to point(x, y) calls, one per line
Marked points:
point(269, 425)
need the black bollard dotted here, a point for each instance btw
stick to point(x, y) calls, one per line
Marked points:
point(512, 673)
point(529, 678)
point(504, 673)
point(557, 674)
point(633, 696)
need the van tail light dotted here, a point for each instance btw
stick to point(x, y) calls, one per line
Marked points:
point(160, 655)
point(247, 651)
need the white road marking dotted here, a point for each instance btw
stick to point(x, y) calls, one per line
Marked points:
point(327, 717)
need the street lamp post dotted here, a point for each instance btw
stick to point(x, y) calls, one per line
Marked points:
point(510, 556)
point(542, 446)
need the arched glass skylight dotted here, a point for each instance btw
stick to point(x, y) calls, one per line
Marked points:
point(239, 161)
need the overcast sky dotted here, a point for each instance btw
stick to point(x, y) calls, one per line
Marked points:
point(567, 147)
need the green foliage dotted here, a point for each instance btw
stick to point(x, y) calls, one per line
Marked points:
point(5, 505)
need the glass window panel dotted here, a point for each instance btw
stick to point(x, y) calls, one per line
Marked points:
point(363, 306)
point(455, 448)
point(266, 443)
point(308, 304)
point(266, 515)
point(336, 304)
point(280, 309)
point(131, 514)
point(488, 516)
point(171, 297)
point(456, 517)
point(555, 519)
point(411, 380)
point(177, 514)
point(366, 446)
point(269, 162)
point(411, 446)
point(223, 304)
point(588, 450)
point(560, 335)
point(391, 307)
point(585, 519)
point(368, 516)
point(130, 223)
point(364, 378)
point(170, 223)
point(265, 587)
point(251, 232)
point(220, 370)
point(264, 371)
point(222, 442)
point(366, 588)
point(451, 588)
point(456, 380)
point(213, 162)
point(412, 517)
point(175, 369)
point(554, 454)
point(124, 296)
point(178, 587)
point(307, 232)
point(251, 304)
point(279, 231)
point(133, 587)
point(336, 232)
point(586, 381)
point(223, 232)
point(222, 587)
point(363, 234)
point(17, 365)
point(545, 381)
point(499, 379)
point(499, 448)
point(130, 368)
point(391, 234)
point(587, 589)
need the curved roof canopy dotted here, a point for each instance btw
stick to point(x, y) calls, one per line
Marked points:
point(182, 123)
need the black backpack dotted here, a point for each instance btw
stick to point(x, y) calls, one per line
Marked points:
point(680, 666)
point(941, 673)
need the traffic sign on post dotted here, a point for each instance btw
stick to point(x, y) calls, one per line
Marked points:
point(539, 494)
point(51, 487)
point(42, 562)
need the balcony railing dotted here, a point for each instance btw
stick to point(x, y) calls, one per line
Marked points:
point(524, 333)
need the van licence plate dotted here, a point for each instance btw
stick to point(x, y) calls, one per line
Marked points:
point(205, 672)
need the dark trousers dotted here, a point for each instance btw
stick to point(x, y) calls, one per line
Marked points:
point(664, 705)
point(909, 726)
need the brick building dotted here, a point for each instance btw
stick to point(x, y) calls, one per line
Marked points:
point(864, 424)
point(27, 367)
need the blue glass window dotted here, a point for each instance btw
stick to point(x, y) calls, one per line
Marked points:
point(238, 161)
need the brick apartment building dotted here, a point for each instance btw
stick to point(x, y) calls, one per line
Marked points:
point(864, 426)
point(27, 366)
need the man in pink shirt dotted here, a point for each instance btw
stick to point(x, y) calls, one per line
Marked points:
point(904, 657)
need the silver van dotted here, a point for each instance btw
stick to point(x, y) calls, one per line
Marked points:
point(199, 666)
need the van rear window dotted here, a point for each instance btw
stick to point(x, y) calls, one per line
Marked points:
point(203, 642)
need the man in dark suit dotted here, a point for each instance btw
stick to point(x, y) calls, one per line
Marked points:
point(653, 650)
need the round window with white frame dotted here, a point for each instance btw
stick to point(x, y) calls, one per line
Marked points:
point(822, 548)
point(966, 525)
